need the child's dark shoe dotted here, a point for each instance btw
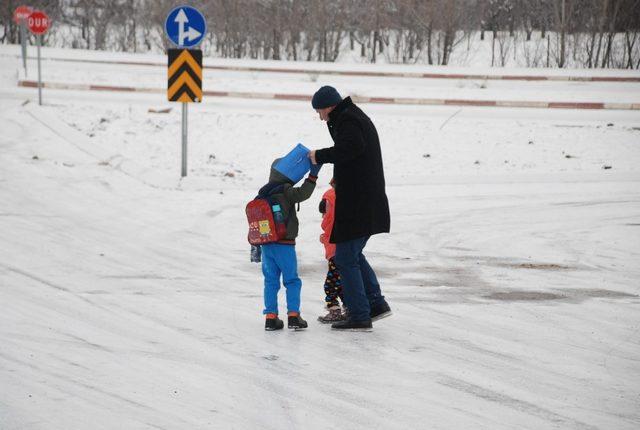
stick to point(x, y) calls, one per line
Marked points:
point(273, 323)
point(296, 322)
point(334, 315)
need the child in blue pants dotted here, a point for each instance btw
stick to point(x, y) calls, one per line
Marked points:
point(279, 259)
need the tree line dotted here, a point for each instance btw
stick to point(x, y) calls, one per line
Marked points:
point(537, 33)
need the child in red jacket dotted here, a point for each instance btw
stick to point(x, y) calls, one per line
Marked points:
point(332, 285)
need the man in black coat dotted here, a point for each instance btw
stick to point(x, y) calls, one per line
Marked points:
point(362, 208)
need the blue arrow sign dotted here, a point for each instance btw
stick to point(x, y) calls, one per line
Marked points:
point(185, 26)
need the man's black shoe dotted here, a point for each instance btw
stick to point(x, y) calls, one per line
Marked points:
point(352, 325)
point(381, 311)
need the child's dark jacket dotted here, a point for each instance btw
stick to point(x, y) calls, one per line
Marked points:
point(281, 188)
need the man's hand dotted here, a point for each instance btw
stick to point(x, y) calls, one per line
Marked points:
point(312, 157)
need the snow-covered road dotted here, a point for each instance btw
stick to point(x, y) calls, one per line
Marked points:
point(127, 299)
point(154, 77)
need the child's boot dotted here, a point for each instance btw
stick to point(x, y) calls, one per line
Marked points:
point(334, 315)
point(272, 322)
point(296, 322)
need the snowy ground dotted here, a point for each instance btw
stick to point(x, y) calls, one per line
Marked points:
point(127, 299)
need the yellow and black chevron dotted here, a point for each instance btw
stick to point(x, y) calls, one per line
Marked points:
point(185, 75)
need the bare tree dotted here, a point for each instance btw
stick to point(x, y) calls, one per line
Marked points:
point(587, 33)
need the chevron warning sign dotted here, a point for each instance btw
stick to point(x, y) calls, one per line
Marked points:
point(185, 75)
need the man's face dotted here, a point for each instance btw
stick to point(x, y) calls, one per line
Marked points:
point(324, 113)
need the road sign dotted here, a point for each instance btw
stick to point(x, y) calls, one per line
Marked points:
point(184, 85)
point(22, 13)
point(38, 22)
point(185, 26)
point(185, 75)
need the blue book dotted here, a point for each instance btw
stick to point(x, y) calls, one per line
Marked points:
point(295, 164)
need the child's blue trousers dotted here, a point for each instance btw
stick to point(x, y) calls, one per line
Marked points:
point(277, 260)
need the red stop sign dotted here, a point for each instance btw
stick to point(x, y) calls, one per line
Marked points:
point(22, 13)
point(38, 22)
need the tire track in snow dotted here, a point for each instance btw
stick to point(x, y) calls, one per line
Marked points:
point(511, 402)
point(52, 285)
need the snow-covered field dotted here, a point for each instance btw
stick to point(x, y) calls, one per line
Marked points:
point(127, 299)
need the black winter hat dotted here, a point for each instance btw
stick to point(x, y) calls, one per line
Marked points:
point(326, 96)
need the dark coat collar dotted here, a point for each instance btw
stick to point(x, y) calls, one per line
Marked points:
point(340, 107)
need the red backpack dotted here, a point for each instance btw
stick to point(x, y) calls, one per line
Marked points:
point(266, 221)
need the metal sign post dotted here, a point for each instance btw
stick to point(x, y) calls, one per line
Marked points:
point(38, 23)
point(185, 107)
point(38, 43)
point(185, 27)
point(20, 16)
point(23, 42)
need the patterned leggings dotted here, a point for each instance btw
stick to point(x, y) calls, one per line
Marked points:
point(332, 286)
